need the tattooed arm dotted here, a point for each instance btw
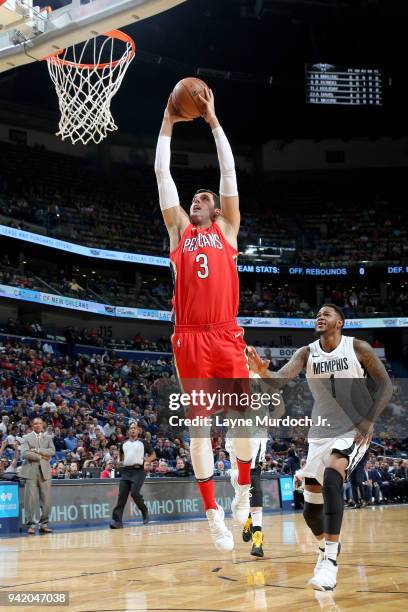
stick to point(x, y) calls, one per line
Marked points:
point(376, 370)
point(289, 371)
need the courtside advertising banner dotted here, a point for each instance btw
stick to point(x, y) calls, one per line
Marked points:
point(82, 503)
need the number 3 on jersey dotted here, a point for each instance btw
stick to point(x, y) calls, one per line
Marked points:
point(202, 259)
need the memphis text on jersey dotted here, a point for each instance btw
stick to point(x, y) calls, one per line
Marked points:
point(334, 365)
point(219, 420)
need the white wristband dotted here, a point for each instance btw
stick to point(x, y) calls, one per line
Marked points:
point(228, 183)
point(168, 195)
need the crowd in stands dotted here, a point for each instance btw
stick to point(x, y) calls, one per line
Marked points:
point(145, 291)
point(78, 202)
point(345, 217)
point(91, 337)
point(88, 401)
point(345, 237)
point(336, 220)
point(380, 480)
point(356, 300)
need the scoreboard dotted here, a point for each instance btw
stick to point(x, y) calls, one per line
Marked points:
point(329, 84)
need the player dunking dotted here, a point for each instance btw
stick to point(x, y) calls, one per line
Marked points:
point(207, 342)
point(328, 359)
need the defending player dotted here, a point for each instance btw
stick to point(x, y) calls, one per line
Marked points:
point(328, 359)
point(252, 531)
point(207, 342)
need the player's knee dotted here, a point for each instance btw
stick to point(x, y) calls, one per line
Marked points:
point(242, 448)
point(333, 501)
point(338, 461)
point(332, 490)
point(313, 512)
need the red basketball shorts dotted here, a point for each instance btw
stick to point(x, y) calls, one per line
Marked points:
point(210, 351)
point(209, 358)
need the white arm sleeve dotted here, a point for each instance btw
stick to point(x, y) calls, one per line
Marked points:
point(168, 195)
point(228, 183)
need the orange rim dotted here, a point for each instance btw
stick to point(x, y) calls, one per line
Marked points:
point(57, 60)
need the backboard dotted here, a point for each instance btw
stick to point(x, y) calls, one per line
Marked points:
point(29, 33)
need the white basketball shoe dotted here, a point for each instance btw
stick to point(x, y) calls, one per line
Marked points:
point(318, 566)
point(320, 558)
point(240, 503)
point(325, 578)
point(221, 536)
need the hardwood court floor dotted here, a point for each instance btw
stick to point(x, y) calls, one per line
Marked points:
point(174, 568)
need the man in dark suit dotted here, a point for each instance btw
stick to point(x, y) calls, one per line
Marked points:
point(375, 476)
point(367, 486)
point(400, 479)
point(292, 462)
point(356, 478)
point(36, 451)
point(388, 487)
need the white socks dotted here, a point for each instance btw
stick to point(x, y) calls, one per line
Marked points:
point(256, 514)
point(331, 550)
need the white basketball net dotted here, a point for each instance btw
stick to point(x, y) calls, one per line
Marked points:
point(85, 90)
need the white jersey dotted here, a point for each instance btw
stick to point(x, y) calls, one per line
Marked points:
point(340, 394)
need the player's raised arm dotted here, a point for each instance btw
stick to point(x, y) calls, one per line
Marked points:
point(295, 365)
point(175, 218)
point(228, 185)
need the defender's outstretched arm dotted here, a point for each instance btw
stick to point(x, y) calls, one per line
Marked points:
point(295, 365)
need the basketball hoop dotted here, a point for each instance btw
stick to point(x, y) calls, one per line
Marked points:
point(85, 90)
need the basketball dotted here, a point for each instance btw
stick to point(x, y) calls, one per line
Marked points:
point(185, 97)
